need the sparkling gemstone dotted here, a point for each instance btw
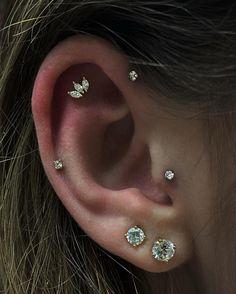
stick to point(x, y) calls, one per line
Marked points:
point(75, 94)
point(169, 175)
point(58, 164)
point(135, 236)
point(78, 87)
point(85, 84)
point(163, 250)
point(133, 76)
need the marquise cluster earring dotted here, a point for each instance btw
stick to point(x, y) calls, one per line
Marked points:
point(79, 89)
point(162, 249)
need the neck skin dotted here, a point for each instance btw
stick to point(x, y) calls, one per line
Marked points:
point(177, 281)
point(197, 276)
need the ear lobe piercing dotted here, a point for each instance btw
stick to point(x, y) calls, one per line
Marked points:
point(133, 75)
point(169, 175)
point(80, 89)
point(163, 250)
point(135, 236)
point(58, 164)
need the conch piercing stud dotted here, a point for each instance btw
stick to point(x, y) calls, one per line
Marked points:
point(80, 89)
point(133, 75)
point(163, 250)
point(135, 236)
point(58, 164)
point(169, 175)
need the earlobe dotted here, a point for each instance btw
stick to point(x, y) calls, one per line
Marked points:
point(86, 103)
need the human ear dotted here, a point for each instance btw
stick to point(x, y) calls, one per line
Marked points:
point(106, 182)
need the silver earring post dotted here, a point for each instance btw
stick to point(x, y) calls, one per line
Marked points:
point(169, 175)
point(58, 164)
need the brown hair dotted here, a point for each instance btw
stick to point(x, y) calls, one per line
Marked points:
point(186, 50)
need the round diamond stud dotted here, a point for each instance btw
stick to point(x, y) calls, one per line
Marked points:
point(133, 75)
point(58, 164)
point(163, 250)
point(169, 175)
point(135, 236)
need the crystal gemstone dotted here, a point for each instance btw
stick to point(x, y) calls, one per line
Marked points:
point(135, 236)
point(58, 164)
point(163, 250)
point(169, 175)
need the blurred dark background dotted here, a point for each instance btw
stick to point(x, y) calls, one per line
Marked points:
point(2, 2)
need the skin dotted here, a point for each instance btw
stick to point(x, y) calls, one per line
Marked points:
point(115, 143)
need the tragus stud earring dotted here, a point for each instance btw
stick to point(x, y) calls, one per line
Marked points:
point(169, 175)
point(163, 250)
point(80, 89)
point(135, 236)
point(58, 164)
point(133, 75)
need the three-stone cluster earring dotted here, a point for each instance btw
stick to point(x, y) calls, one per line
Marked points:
point(79, 89)
point(58, 164)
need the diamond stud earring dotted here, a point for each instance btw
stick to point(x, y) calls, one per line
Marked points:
point(58, 164)
point(163, 250)
point(135, 236)
point(133, 75)
point(169, 175)
point(80, 89)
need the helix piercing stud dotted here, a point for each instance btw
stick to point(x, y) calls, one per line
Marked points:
point(169, 175)
point(163, 250)
point(80, 89)
point(135, 236)
point(133, 75)
point(58, 164)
